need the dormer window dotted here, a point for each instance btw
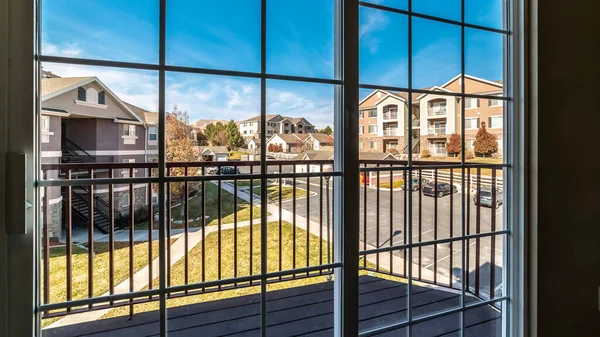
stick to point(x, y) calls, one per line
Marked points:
point(91, 95)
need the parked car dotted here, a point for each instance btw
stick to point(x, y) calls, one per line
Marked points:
point(484, 198)
point(440, 190)
point(415, 184)
point(229, 170)
point(211, 170)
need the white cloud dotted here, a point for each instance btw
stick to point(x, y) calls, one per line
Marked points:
point(67, 49)
point(375, 21)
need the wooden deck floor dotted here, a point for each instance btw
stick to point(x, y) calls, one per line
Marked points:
point(301, 311)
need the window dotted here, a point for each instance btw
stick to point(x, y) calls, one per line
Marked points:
point(125, 171)
point(129, 130)
point(91, 95)
point(45, 129)
point(361, 129)
point(471, 123)
point(373, 113)
point(495, 102)
point(496, 122)
point(469, 144)
point(471, 103)
point(125, 199)
point(372, 128)
point(360, 145)
point(373, 144)
point(361, 114)
point(152, 134)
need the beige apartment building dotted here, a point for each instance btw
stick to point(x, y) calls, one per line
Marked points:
point(383, 117)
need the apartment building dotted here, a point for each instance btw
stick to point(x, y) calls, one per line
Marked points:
point(383, 122)
point(440, 114)
point(83, 121)
point(276, 124)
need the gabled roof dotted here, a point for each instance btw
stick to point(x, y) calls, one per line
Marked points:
point(497, 83)
point(55, 86)
point(215, 150)
point(290, 138)
point(147, 116)
point(254, 140)
point(435, 88)
point(321, 138)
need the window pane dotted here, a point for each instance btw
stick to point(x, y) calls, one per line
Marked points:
point(296, 46)
point(447, 9)
point(80, 29)
point(487, 13)
point(383, 46)
point(436, 53)
point(214, 34)
point(484, 61)
point(399, 4)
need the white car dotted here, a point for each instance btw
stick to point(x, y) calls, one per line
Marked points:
point(211, 170)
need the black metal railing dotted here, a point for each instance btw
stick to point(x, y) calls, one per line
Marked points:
point(299, 201)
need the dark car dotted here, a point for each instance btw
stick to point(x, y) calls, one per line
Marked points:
point(485, 198)
point(415, 184)
point(441, 190)
point(229, 170)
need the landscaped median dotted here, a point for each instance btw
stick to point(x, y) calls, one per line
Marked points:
point(397, 184)
point(287, 192)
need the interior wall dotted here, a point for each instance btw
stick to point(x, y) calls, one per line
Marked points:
point(568, 180)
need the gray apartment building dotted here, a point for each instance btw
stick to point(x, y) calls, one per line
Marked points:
point(83, 121)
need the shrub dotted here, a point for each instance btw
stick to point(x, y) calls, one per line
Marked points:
point(469, 154)
point(425, 154)
point(453, 146)
point(397, 184)
point(485, 143)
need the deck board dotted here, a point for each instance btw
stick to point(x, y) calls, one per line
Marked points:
point(300, 311)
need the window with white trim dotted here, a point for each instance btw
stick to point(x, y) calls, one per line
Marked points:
point(125, 172)
point(372, 128)
point(471, 123)
point(361, 129)
point(128, 130)
point(469, 144)
point(373, 144)
point(45, 129)
point(496, 122)
point(91, 95)
point(152, 133)
point(373, 113)
point(471, 103)
point(125, 200)
point(495, 102)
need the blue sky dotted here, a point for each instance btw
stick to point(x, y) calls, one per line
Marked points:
point(225, 34)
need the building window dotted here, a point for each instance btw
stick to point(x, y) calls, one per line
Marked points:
point(471, 123)
point(152, 135)
point(373, 144)
point(495, 102)
point(91, 95)
point(372, 128)
point(496, 122)
point(469, 144)
point(471, 103)
point(361, 114)
point(373, 113)
point(125, 199)
point(45, 129)
point(125, 172)
point(361, 129)
point(129, 130)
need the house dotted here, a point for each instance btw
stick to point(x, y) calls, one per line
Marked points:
point(289, 142)
point(383, 122)
point(440, 114)
point(254, 144)
point(329, 155)
point(214, 153)
point(318, 141)
point(83, 121)
point(276, 124)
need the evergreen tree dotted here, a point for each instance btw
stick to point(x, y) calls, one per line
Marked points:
point(485, 143)
point(234, 138)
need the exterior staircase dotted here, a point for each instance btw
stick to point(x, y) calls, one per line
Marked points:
point(80, 209)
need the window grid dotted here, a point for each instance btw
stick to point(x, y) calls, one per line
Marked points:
point(161, 178)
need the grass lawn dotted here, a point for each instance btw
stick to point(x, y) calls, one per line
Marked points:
point(397, 184)
point(211, 209)
point(236, 155)
point(244, 183)
point(287, 192)
point(58, 267)
point(243, 263)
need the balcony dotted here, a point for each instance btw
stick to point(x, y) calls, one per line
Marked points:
point(391, 132)
point(392, 115)
point(212, 249)
point(436, 111)
point(436, 130)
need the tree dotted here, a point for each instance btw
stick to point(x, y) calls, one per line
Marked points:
point(234, 138)
point(453, 146)
point(180, 146)
point(216, 134)
point(201, 138)
point(485, 143)
point(326, 131)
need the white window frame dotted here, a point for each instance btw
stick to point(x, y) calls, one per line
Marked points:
point(372, 128)
point(125, 200)
point(150, 133)
point(470, 105)
point(361, 129)
point(373, 112)
point(499, 103)
point(127, 130)
point(91, 95)
point(45, 129)
point(496, 117)
point(470, 119)
point(373, 144)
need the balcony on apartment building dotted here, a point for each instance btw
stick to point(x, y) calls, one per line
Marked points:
point(434, 110)
point(212, 272)
point(436, 130)
point(391, 115)
point(391, 132)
